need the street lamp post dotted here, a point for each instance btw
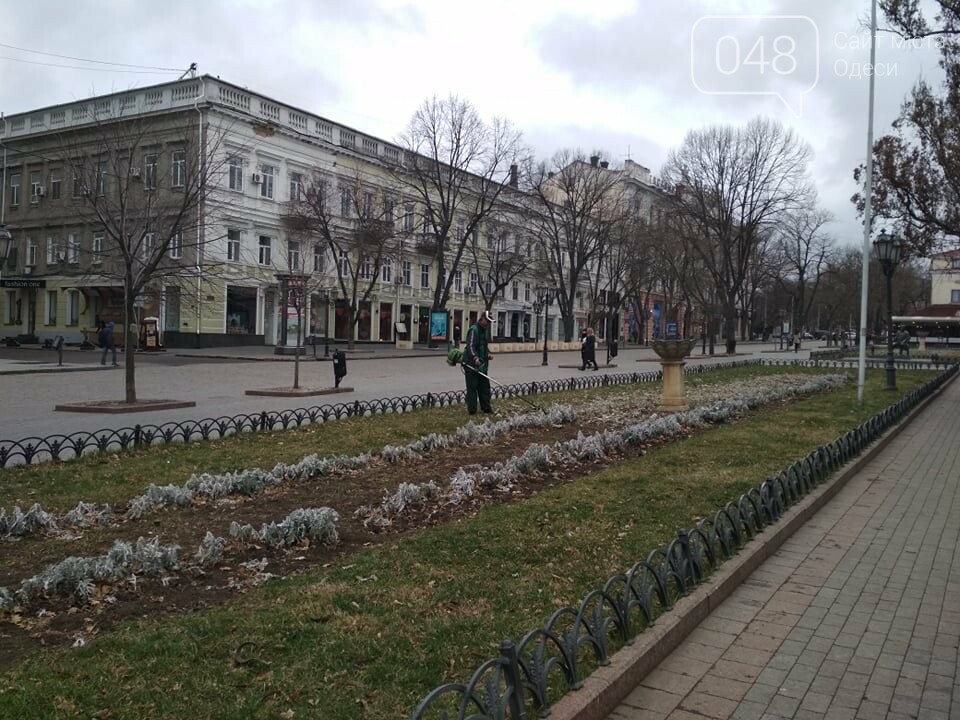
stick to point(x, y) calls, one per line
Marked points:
point(887, 249)
point(544, 298)
point(326, 323)
point(783, 317)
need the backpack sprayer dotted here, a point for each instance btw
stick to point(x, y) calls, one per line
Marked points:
point(455, 357)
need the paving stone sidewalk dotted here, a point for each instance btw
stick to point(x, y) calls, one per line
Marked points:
point(856, 616)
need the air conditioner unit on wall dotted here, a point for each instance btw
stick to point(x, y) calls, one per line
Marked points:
point(28, 269)
point(135, 172)
point(41, 191)
point(256, 178)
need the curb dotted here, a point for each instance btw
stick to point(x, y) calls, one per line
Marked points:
point(608, 686)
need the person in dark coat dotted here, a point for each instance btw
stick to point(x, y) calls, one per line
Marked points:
point(457, 335)
point(589, 351)
point(476, 359)
point(107, 343)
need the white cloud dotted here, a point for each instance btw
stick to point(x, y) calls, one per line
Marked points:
point(613, 75)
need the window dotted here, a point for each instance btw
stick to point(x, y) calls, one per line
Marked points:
point(424, 275)
point(388, 205)
point(148, 245)
point(73, 249)
point(35, 187)
point(150, 171)
point(366, 268)
point(12, 307)
point(233, 245)
point(73, 307)
point(473, 283)
point(52, 251)
point(955, 264)
point(236, 174)
point(406, 271)
point(489, 241)
point(179, 168)
point(77, 184)
point(176, 246)
point(368, 205)
point(458, 281)
point(408, 217)
point(56, 184)
point(51, 307)
point(346, 201)
point(296, 187)
point(515, 290)
point(954, 297)
point(101, 179)
point(386, 270)
point(96, 253)
point(265, 245)
point(266, 181)
point(294, 259)
point(344, 261)
point(15, 189)
point(461, 230)
point(319, 264)
point(526, 292)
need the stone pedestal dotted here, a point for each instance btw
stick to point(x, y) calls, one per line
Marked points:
point(672, 354)
point(922, 341)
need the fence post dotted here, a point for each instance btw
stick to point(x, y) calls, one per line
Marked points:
point(689, 575)
point(263, 421)
point(533, 388)
point(136, 436)
point(511, 671)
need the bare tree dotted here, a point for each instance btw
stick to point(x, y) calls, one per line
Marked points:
point(804, 248)
point(575, 206)
point(499, 259)
point(146, 184)
point(354, 232)
point(456, 168)
point(731, 184)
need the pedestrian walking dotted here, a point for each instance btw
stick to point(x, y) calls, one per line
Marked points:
point(476, 360)
point(107, 343)
point(457, 335)
point(589, 350)
point(796, 342)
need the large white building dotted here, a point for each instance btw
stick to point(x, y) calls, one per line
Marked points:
point(226, 291)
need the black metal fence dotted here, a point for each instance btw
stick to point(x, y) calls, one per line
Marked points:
point(548, 661)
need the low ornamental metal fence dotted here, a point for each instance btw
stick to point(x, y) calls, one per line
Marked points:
point(549, 661)
point(61, 447)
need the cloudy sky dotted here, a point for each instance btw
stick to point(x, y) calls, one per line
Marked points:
point(627, 77)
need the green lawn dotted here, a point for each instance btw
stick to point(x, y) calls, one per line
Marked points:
point(369, 637)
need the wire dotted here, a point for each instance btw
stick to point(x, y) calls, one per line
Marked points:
point(95, 69)
point(98, 62)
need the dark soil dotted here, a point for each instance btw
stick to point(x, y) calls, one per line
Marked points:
point(57, 623)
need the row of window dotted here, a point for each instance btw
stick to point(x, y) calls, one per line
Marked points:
point(15, 307)
point(70, 251)
point(147, 174)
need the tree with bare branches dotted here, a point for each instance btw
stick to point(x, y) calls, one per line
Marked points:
point(805, 249)
point(731, 184)
point(147, 184)
point(352, 232)
point(575, 208)
point(456, 168)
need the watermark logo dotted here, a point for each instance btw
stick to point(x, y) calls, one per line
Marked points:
point(756, 55)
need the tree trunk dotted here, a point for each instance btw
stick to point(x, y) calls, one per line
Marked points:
point(351, 327)
point(129, 343)
point(730, 328)
point(296, 353)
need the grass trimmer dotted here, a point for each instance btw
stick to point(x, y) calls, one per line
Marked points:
point(455, 357)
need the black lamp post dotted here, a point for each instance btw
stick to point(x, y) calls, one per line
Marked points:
point(887, 249)
point(544, 298)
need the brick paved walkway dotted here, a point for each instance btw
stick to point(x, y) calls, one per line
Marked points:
point(857, 615)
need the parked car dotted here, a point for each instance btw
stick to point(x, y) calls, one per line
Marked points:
point(807, 336)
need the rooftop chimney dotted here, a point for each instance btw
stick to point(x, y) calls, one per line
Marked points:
point(513, 175)
point(594, 159)
point(605, 164)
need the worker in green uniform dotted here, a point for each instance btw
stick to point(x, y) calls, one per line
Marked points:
point(476, 359)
